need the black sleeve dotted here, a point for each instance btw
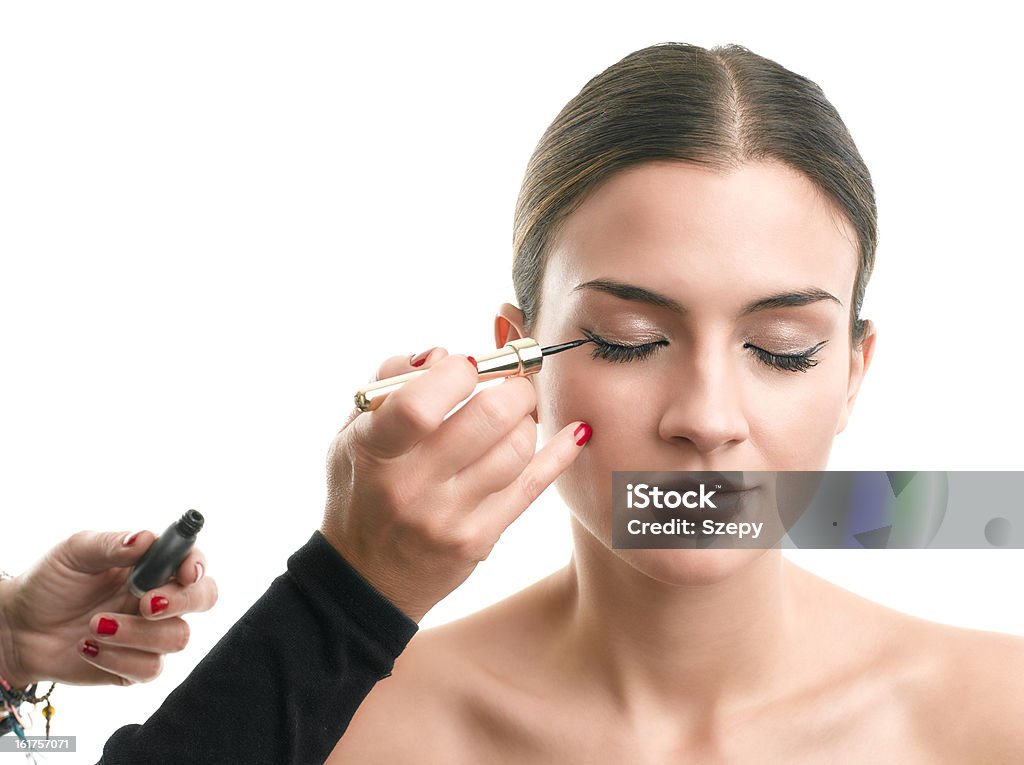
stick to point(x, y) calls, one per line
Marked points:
point(283, 683)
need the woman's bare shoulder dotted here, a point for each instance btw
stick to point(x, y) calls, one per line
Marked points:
point(977, 697)
point(429, 708)
point(961, 689)
point(964, 687)
point(411, 714)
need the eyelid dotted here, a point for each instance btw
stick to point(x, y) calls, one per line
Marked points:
point(791, 354)
point(621, 352)
point(788, 362)
point(596, 338)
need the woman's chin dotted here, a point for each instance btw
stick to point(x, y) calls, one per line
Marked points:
point(695, 567)
point(676, 566)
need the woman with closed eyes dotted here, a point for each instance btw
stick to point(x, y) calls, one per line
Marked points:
point(705, 219)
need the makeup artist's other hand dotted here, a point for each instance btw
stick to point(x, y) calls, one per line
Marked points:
point(415, 501)
point(70, 617)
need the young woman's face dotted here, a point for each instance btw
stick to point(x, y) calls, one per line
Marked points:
point(698, 269)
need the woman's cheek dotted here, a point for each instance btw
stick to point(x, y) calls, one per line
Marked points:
point(794, 425)
point(571, 392)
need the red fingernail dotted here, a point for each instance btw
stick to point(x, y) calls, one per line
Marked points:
point(587, 432)
point(106, 626)
point(130, 539)
point(89, 648)
point(419, 358)
point(473, 362)
point(157, 604)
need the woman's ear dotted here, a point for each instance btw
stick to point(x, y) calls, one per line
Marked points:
point(508, 324)
point(859, 363)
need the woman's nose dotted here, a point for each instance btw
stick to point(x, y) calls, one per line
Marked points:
point(705, 406)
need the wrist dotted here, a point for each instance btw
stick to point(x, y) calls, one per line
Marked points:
point(366, 573)
point(9, 662)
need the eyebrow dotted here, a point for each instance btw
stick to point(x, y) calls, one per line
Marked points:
point(639, 294)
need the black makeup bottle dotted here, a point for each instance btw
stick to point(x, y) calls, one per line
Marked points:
point(158, 564)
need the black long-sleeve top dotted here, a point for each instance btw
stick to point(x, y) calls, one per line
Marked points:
point(282, 685)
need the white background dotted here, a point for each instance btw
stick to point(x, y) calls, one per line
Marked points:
point(216, 219)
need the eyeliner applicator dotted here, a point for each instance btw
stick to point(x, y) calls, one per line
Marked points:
point(551, 350)
point(518, 358)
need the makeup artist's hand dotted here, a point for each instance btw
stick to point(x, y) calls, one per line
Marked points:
point(415, 501)
point(70, 617)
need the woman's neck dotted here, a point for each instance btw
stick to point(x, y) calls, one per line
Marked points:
point(707, 647)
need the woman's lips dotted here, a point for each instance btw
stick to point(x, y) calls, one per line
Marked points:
point(685, 480)
point(727, 506)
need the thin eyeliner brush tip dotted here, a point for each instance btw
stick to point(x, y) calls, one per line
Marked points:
point(553, 349)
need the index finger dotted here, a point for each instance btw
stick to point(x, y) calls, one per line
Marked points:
point(397, 365)
point(558, 454)
point(418, 408)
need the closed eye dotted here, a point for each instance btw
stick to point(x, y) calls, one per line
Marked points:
point(621, 352)
point(788, 362)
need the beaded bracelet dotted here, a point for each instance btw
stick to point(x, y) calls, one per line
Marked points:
point(12, 699)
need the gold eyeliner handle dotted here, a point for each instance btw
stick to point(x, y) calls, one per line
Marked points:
point(521, 356)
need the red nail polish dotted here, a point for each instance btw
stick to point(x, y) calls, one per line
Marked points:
point(586, 432)
point(473, 362)
point(420, 358)
point(106, 626)
point(157, 604)
point(130, 539)
point(89, 648)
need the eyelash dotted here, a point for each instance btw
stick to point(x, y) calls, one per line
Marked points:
point(621, 353)
point(787, 362)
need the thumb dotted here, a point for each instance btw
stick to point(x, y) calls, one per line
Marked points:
point(92, 551)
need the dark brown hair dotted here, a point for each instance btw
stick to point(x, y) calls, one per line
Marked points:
point(718, 108)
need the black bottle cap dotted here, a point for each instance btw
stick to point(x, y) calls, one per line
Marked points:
point(191, 523)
